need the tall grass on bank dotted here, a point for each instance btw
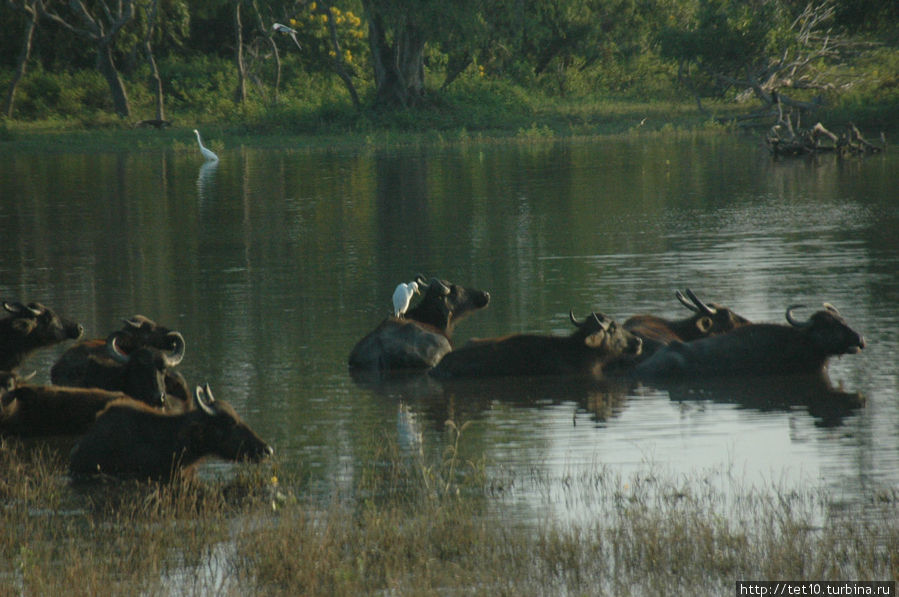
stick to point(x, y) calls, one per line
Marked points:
point(411, 526)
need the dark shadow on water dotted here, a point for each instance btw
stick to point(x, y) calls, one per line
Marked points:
point(827, 403)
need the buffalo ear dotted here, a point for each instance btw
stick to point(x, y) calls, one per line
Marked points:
point(24, 326)
point(704, 324)
point(595, 340)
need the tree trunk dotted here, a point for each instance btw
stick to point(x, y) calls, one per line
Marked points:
point(337, 63)
point(240, 94)
point(107, 67)
point(154, 70)
point(398, 68)
point(25, 54)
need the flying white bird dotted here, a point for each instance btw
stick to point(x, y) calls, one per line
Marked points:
point(402, 297)
point(207, 153)
point(291, 32)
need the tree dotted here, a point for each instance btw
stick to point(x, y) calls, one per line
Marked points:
point(102, 31)
point(32, 10)
point(760, 47)
point(397, 32)
point(147, 47)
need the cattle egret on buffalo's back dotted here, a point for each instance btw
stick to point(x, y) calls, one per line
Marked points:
point(402, 296)
point(207, 153)
point(288, 31)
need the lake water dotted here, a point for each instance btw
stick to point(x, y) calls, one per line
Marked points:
point(274, 262)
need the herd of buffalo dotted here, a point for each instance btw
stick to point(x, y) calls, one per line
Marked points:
point(713, 341)
point(135, 416)
point(132, 412)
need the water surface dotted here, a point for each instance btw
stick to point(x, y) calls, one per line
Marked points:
point(274, 262)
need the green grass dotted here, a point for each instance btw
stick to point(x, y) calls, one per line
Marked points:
point(414, 527)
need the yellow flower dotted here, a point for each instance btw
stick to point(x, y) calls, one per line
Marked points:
point(312, 6)
point(340, 20)
point(293, 22)
point(347, 56)
point(332, 53)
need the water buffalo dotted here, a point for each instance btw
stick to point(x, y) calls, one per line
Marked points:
point(35, 410)
point(708, 319)
point(93, 363)
point(596, 341)
point(142, 374)
point(131, 440)
point(758, 349)
point(29, 328)
point(423, 336)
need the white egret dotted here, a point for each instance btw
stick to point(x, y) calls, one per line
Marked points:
point(402, 296)
point(287, 30)
point(207, 153)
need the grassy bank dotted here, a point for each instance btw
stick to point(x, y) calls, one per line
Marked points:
point(320, 115)
point(411, 527)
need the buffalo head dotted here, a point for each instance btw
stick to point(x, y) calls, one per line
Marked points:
point(142, 373)
point(223, 432)
point(711, 318)
point(603, 334)
point(444, 304)
point(828, 331)
point(30, 327)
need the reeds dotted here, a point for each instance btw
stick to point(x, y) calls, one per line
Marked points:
point(410, 526)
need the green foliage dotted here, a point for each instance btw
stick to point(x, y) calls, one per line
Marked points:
point(497, 65)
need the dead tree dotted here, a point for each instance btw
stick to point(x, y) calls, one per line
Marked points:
point(32, 10)
point(102, 30)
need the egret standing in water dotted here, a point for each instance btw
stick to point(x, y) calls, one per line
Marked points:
point(287, 30)
point(402, 296)
point(207, 153)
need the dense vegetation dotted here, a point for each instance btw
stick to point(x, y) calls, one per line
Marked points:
point(469, 64)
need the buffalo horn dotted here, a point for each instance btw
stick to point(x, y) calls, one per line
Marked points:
point(113, 351)
point(174, 359)
point(422, 281)
point(17, 308)
point(573, 318)
point(137, 321)
point(205, 399)
point(831, 308)
point(792, 321)
point(444, 289)
point(683, 300)
point(603, 323)
point(702, 306)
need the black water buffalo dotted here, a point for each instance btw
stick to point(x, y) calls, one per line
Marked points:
point(708, 319)
point(131, 440)
point(29, 328)
point(596, 342)
point(35, 410)
point(423, 336)
point(142, 374)
point(758, 349)
point(93, 363)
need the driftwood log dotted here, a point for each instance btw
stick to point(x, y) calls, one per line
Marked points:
point(783, 140)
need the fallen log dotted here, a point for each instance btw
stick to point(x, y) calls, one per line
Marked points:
point(783, 140)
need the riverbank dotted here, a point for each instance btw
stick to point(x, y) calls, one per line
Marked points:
point(415, 127)
point(411, 527)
